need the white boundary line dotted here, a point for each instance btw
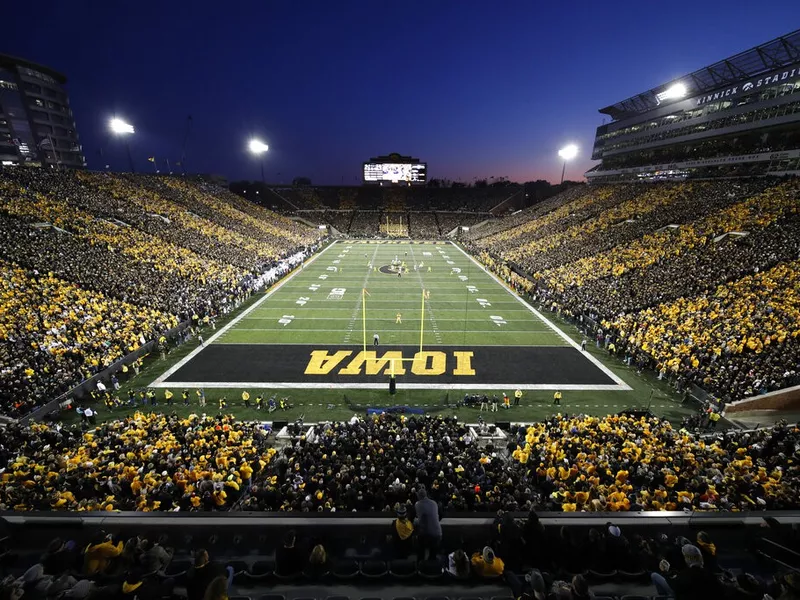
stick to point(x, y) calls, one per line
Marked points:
point(388, 319)
point(271, 385)
point(159, 381)
point(621, 385)
point(387, 346)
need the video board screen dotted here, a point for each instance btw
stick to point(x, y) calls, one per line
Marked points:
point(395, 172)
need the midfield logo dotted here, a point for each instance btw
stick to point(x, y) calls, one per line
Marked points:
point(433, 363)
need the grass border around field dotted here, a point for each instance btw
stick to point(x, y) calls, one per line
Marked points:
point(336, 403)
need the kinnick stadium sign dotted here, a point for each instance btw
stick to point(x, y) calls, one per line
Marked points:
point(786, 75)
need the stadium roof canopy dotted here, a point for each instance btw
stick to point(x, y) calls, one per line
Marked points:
point(775, 54)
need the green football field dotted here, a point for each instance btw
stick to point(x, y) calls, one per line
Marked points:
point(324, 303)
point(446, 328)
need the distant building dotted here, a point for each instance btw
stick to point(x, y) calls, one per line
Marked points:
point(36, 122)
point(736, 118)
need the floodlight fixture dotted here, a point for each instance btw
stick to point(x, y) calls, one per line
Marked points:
point(257, 147)
point(568, 152)
point(120, 127)
point(676, 90)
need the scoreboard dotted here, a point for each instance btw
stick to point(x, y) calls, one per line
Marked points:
point(395, 173)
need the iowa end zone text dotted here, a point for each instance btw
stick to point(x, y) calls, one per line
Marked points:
point(487, 367)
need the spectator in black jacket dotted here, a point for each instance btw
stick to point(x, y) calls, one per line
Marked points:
point(289, 558)
point(202, 574)
point(695, 582)
point(155, 557)
point(59, 557)
point(144, 588)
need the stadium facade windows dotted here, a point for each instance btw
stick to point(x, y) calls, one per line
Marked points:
point(739, 107)
point(34, 96)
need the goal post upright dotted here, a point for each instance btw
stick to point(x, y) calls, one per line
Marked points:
point(364, 315)
point(422, 321)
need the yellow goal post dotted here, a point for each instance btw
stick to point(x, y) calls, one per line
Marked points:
point(364, 295)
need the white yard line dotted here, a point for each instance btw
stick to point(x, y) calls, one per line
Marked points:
point(395, 301)
point(328, 309)
point(387, 319)
point(354, 316)
point(621, 385)
point(160, 379)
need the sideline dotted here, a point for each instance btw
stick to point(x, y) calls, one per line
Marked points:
point(621, 385)
point(159, 381)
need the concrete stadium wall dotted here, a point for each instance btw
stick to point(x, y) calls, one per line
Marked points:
point(240, 520)
point(788, 399)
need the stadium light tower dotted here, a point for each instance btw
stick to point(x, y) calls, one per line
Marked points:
point(567, 153)
point(675, 91)
point(257, 148)
point(120, 128)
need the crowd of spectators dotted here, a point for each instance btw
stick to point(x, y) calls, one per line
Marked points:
point(395, 198)
point(535, 561)
point(366, 223)
point(242, 245)
point(528, 214)
point(146, 462)
point(750, 214)
point(557, 213)
point(738, 340)
point(429, 225)
point(97, 264)
point(582, 463)
point(339, 219)
point(423, 226)
point(108, 567)
point(654, 254)
point(54, 334)
point(153, 462)
point(450, 220)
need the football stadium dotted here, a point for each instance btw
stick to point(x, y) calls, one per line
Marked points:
point(400, 389)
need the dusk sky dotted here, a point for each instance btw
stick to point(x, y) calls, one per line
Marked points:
point(475, 89)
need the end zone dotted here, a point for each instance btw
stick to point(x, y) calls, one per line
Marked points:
point(436, 367)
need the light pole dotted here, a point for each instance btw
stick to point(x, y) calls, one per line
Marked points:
point(121, 128)
point(257, 148)
point(567, 153)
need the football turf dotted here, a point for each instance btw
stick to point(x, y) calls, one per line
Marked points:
point(360, 313)
point(303, 339)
